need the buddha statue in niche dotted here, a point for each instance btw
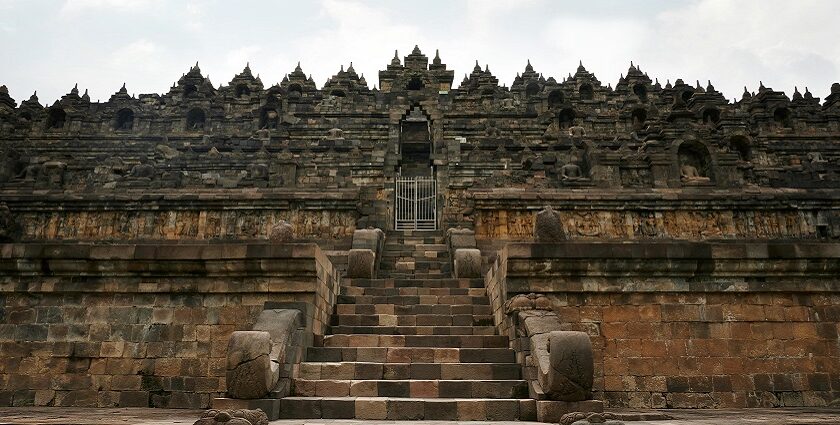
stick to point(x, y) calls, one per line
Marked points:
point(690, 174)
point(572, 171)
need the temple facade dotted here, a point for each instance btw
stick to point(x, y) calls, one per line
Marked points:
point(699, 247)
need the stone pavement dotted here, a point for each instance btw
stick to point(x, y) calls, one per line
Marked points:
point(148, 416)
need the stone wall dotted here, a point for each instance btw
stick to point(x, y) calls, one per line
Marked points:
point(184, 215)
point(142, 324)
point(690, 325)
point(661, 214)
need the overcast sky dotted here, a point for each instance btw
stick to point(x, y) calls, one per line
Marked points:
point(48, 45)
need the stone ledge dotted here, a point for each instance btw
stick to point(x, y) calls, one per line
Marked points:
point(205, 259)
point(769, 250)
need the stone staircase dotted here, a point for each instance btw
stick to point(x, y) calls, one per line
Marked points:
point(418, 255)
point(413, 344)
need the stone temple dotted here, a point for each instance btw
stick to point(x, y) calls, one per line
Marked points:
point(420, 251)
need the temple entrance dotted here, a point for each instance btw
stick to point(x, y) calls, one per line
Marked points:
point(415, 145)
point(415, 206)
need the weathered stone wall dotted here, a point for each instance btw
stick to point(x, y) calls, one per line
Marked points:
point(142, 325)
point(183, 215)
point(623, 215)
point(690, 325)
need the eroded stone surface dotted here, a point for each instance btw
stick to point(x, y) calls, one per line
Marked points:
point(547, 227)
point(282, 231)
point(250, 370)
point(361, 263)
point(467, 263)
point(233, 417)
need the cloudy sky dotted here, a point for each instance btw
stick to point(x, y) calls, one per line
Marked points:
point(48, 45)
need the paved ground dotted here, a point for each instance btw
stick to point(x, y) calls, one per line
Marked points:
point(79, 416)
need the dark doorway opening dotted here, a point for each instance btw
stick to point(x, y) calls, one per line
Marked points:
point(415, 144)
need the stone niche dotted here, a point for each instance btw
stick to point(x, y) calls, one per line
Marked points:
point(694, 164)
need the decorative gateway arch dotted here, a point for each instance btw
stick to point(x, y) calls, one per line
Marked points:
point(420, 250)
point(415, 187)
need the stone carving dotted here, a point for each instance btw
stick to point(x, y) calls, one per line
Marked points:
point(361, 263)
point(572, 170)
point(261, 360)
point(490, 129)
point(281, 232)
point(586, 418)
point(258, 171)
point(548, 228)
point(460, 237)
point(565, 364)
point(577, 131)
point(694, 163)
point(335, 134)
point(250, 371)
point(53, 174)
point(233, 417)
point(467, 263)
point(525, 302)
point(689, 173)
point(10, 231)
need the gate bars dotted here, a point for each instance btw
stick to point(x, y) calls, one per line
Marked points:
point(416, 204)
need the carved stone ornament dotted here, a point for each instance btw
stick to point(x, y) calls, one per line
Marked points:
point(530, 301)
point(584, 418)
point(233, 417)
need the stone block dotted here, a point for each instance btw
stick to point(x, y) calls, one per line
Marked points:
point(361, 263)
point(460, 238)
point(250, 371)
point(371, 408)
point(565, 364)
point(371, 239)
point(548, 227)
point(467, 263)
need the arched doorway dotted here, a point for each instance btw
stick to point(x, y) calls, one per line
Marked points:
point(415, 144)
point(415, 190)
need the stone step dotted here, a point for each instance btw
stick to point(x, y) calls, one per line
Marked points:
point(440, 341)
point(431, 388)
point(379, 371)
point(421, 246)
point(400, 275)
point(410, 281)
point(418, 262)
point(415, 330)
point(411, 290)
point(418, 320)
point(416, 265)
point(410, 355)
point(388, 408)
point(413, 299)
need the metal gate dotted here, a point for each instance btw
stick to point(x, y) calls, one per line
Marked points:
point(416, 204)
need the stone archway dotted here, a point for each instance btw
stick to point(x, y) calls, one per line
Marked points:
point(415, 144)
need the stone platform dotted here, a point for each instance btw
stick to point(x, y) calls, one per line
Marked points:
point(149, 416)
